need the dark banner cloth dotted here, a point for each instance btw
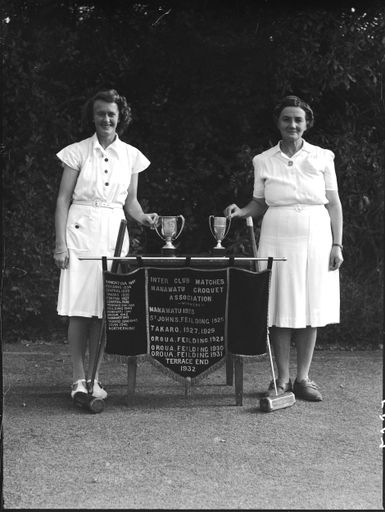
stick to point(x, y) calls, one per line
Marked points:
point(125, 309)
point(187, 323)
point(247, 311)
point(186, 318)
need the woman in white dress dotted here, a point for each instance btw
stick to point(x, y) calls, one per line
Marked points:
point(98, 187)
point(295, 189)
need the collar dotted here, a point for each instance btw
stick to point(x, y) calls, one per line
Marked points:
point(115, 146)
point(305, 147)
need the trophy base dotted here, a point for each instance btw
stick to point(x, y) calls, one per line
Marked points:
point(219, 251)
point(168, 251)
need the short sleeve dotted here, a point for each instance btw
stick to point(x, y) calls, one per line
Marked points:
point(141, 163)
point(329, 171)
point(259, 185)
point(71, 155)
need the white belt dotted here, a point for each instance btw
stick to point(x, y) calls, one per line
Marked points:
point(98, 204)
point(299, 207)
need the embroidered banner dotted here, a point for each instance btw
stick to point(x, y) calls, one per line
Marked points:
point(125, 308)
point(186, 319)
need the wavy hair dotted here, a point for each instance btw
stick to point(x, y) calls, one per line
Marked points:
point(110, 96)
point(294, 101)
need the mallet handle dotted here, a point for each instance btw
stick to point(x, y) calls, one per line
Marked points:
point(250, 225)
point(114, 268)
point(119, 244)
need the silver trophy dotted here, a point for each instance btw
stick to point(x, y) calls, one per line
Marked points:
point(219, 227)
point(168, 226)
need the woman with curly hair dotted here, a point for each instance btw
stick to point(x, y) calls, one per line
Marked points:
point(296, 192)
point(98, 188)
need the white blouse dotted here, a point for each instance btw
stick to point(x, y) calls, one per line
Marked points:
point(300, 179)
point(106, 173)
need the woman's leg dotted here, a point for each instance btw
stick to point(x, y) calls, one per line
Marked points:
point(77, 341)
point(96, 325)
point(95, 332)
point(280, 340)
point(305, 340)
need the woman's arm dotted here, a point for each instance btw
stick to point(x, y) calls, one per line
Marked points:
point(132, 206)
point(255, 208)
point(63, 202)
point(336, 219)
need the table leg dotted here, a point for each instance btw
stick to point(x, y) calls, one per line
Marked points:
point(229, 369)
point(187, 388)
point(131, 374)
point(238, 366)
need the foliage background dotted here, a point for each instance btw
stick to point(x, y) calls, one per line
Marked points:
point(202, 78)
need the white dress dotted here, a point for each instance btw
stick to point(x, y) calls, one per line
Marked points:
point(303, 291)
point(94, 219)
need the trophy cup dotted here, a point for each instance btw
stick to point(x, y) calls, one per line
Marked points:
point(219, 229)
point(169, 231)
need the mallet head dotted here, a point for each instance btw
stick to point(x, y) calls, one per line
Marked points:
point(272, 403)
point(89, 402)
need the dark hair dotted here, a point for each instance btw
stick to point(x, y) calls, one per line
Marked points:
point(294, 101)
point(110, 96)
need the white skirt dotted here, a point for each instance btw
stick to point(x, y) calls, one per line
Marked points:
point(91, 232)
point(303, 291)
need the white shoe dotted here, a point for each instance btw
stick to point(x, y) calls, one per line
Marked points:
point(98, 391)
point(79, 387)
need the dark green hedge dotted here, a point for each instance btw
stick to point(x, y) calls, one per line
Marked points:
point(202, 78)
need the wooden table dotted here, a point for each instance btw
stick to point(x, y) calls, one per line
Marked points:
point(234, 362)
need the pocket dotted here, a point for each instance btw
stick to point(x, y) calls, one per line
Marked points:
point(78, 233)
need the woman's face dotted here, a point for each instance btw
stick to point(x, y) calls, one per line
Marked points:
point(292, 123)
point(106, 117)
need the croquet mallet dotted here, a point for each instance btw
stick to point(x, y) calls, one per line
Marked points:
point(87, 401)
point(268, 404)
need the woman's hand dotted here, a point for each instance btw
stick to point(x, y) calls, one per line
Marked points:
point(150, 220)
point(255, 208)
point(61, 258)
point(232, 211)
point(336, 258)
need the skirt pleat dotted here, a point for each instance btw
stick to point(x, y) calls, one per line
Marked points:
point(303, 291)
point(91, 233)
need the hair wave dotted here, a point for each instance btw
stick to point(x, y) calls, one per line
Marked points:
point(294, 101)
point(110, 96)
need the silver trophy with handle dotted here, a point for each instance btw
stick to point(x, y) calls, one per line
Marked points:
point(168, 230)
point(219, 227)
